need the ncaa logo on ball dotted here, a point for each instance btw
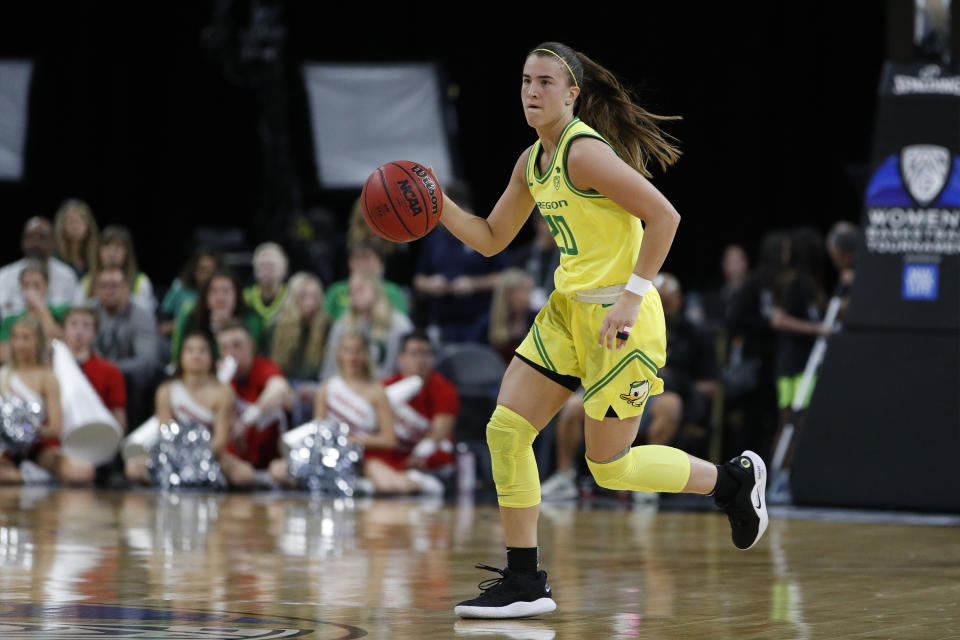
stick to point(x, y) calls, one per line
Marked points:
point(410, 197)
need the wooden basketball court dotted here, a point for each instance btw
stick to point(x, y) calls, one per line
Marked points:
point(140, 564)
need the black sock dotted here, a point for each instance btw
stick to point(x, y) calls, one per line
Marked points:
point(726, 487)
point(522, 560)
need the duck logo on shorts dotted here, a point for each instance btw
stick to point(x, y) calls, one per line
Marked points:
point(639, 391)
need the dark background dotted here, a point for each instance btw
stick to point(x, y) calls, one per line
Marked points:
point(140, 111)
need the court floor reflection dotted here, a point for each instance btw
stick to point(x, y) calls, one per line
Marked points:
point(394, 568)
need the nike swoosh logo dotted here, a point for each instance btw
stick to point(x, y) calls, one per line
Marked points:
point(547, 589)
point(758, 502)
point(504, 495)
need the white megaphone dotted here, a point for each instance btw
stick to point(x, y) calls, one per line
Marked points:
point(141, 440)
point(226, 369)
point(402, 391)
point(398, 393)
point(90, 432)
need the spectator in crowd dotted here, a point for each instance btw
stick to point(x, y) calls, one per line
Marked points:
point(355, 396)
point(798, 303)
point(298, 339)
point(423, 426)
point(842, 241)
point(127, 336)
point(117, 252)
point(77, 235)
point(370, 312)
point(37, 243)
point(748, 380)
point(30, 377)
point(220, 300)
point(183, 291)
point(194, 396)
point(269, 272)
point(79, 333)
point(540, 258)
point(33, 290)
point(734, 266)
point(454, 282)
point(510, 314)
point(263, 396)
point(364, 258)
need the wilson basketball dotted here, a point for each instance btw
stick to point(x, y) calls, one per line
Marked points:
point(401, 201)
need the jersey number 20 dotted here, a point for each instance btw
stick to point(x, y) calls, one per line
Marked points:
point(559, 227)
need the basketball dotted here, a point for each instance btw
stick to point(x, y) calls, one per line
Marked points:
point(401, 201)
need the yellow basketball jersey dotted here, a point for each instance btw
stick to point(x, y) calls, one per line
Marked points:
point(598, 239)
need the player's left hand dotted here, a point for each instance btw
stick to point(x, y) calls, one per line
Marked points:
point(620, 319)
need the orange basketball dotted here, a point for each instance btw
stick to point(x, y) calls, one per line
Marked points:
point(401, 201)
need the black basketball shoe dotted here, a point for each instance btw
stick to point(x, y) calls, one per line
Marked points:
point(512, 595)
point(747, 509)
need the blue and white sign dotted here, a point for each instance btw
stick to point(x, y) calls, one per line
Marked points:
point(920, 281)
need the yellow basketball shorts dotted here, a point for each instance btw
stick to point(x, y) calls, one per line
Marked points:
point(565, 339)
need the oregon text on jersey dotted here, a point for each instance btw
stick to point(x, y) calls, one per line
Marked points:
point(551, 204)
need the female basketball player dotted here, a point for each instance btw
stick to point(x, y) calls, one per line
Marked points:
point(602, 327)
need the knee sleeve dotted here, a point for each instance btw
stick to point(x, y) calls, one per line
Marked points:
point(515, 474)
point(646, 468)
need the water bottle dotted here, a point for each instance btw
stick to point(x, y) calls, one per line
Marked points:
point(466, 470)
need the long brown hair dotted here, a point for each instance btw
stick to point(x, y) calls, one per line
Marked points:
point(33, 322)
point(607, 106)
point(90, 244)
point(115, 234)
point(381, 316)
point(178, 372)
point(368, 369)
point(201, 312)
point(289, 327)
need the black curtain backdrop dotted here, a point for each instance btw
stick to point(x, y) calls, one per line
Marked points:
point(131, 111)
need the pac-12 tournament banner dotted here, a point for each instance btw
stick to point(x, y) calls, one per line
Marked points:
point(909, 267)
point(888, 387)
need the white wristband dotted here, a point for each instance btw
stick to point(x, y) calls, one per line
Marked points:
point(638, 285)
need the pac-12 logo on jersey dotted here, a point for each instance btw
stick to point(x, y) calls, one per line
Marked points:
point(556, 182)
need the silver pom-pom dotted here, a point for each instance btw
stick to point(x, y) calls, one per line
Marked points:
point(20, 423)
point(183, 457)
point(325, 462)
